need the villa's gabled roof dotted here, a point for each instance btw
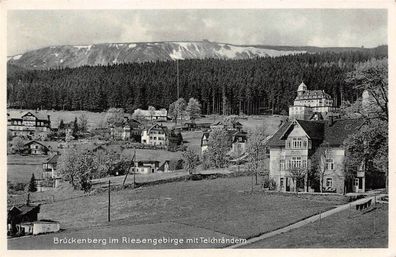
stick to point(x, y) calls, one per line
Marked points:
point(313, 94)
point(336, 133)
point(324, 131)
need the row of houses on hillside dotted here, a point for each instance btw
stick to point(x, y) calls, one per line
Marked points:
point(311, 131)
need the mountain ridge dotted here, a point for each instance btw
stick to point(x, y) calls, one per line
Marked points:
point(115, 53)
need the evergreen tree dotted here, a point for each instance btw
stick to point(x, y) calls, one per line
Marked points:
point(32, 184)
point(75, 128)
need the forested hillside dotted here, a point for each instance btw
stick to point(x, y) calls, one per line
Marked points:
point(251, 86)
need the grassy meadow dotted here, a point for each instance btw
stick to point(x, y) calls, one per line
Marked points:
point(225, 205)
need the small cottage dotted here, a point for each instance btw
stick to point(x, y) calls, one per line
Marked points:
point(36, 148)
point(146, 167)
point(20, 214)
point(171, 166)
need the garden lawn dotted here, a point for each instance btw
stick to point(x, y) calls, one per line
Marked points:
point(355, 229)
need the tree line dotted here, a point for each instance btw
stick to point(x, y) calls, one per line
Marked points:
point(252, 86)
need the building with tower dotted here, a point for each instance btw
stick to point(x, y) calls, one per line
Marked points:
point(312, 105)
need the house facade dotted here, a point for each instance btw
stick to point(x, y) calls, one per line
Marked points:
point(146, 166)
point(28, 124)
point(155, 135)
point(310, 102)
point(50, 177)
point(36, 148)
point(239, 140)
point(301, 145)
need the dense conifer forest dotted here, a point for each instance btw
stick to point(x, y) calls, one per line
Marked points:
point(253, 86)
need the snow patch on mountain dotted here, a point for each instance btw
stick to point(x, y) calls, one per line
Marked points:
point(17, 57)
point(88, 47)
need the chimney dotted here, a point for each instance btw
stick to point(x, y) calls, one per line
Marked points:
point(48, 116)
point(28, 199)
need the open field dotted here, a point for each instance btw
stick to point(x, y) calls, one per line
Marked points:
point(20, 168)
point(352, 229)
point(219, 205)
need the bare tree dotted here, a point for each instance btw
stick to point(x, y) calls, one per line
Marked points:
point(318, 163)
point(297, 174)
point(256, 148)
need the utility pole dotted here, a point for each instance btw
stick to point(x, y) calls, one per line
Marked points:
point(131, 164)
point(177, 81)
point(108, 207)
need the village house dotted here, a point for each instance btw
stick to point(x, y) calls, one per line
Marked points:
point(205, 141)
point(50, 178)
point(309, 103)
point(19, 214)
point(237, 140)
point(38, 227)
point(170, 166)
point(155, 135)
point(156, 115)
point(145, 166)
point(36, 148)
point(295, 143)
point(128, 129)
point(305, 144)
point(196, 126)
point(29, 124)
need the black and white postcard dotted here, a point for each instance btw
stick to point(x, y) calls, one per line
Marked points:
point(155, 127)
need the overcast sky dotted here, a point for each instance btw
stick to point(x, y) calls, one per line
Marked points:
point(28, 30)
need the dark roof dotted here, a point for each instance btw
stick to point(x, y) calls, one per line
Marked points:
point(147, 161)
point(314, 129)
point(159, 126)
point(276, 140)
point(24, 209)
point(323, 131)
point(336, 133)
point(34, 141)
point(173, 164)
point(38, 115)
point(313, 94)
point(53, 159)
